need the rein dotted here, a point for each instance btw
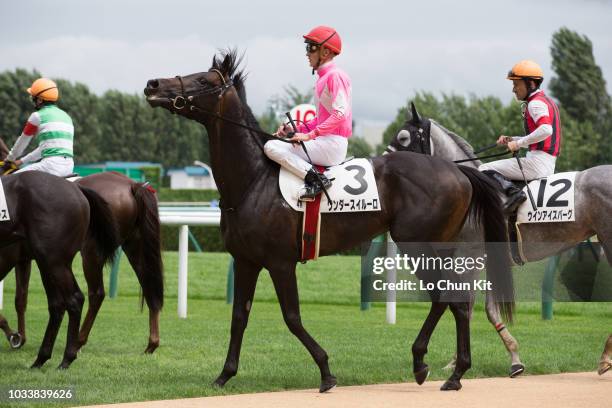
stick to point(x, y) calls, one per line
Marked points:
point(182, 101)
point(483, 157)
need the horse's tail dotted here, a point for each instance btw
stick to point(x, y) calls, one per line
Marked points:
point(486, 210)
point(102, 225)
point(148, 225)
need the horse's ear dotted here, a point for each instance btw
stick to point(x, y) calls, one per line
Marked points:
point(415, 115)
point(226, 64)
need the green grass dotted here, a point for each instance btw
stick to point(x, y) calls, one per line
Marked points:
point(363, 349)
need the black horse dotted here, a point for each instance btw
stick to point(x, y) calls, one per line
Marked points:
point(50, 218)
point(423, 199)
point(134, 207)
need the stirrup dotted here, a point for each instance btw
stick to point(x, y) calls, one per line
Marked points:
point(309, 194)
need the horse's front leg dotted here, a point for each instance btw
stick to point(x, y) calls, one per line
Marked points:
point(285, 284)
point(245, 280)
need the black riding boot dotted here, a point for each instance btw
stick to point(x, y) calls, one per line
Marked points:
point(315, 182)
point(515, 195)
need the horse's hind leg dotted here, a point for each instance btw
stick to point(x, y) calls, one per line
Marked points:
point(419, 347)
point(136, 254)
point(62, 294)
point(605, 363)
point(22, 282)
point(460, 311)
point(245, 280)
point(285, 284)
point(93, 267)
point(57, 307)
point(517, 367)
point(74, 305)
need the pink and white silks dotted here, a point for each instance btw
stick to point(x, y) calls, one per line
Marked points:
point(329, 130)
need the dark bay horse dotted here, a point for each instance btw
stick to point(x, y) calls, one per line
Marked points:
point(423, 199)
point(50, 218)
point(134, 207)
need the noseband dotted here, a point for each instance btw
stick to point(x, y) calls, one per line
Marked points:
point(182, 101)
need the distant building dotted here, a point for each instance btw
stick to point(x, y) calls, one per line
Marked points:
point(197, 177)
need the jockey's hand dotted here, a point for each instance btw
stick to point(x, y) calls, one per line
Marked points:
point(300, 137)
point(8, 167)
point(513, 146)
point(18, 163)
point(282, 130)
point(504, 140)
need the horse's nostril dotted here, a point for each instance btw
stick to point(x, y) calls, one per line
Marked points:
point(153, 83)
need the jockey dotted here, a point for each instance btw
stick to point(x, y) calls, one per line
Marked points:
point(54, 130)
point(325, 136)
point(543, 140)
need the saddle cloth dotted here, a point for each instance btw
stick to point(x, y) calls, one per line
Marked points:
point(4, 212)
point(554, 199)
point(353, 190)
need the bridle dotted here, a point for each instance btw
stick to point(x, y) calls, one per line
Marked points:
point(425, 146)
point(182, 101)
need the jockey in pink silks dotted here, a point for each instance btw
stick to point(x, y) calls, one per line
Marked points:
point(325, 136)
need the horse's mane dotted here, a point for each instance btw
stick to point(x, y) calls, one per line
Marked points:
point(228, 62)
point(461, 142)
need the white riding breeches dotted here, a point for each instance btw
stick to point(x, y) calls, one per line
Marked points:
point(324, 151)
point(536, 164)
point(57, 165)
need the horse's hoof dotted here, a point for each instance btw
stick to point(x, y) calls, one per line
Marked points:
point(328, 383)
point(421, 375)
point(151, 348)
point(16, 341)
point(220, 381)
point(37, 364)
point(451, 385)
point(63, 366)
point(604, 367)
point(516, 370)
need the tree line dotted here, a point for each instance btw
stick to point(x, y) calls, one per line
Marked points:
point(121, 126)
point(112, 126)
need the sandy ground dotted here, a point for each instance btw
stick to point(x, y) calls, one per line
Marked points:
point(559, 390)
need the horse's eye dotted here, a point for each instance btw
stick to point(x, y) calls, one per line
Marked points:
point(202, 81)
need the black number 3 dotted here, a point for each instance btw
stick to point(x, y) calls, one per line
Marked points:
point(363, 185)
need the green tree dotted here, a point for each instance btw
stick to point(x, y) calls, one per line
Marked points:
point(358, 147)
point(114, 126)
point(579, 85)
point(580, 89)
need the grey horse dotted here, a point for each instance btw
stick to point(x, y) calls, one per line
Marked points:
point(593, 205)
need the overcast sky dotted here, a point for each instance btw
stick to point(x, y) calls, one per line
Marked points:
point(391, 48)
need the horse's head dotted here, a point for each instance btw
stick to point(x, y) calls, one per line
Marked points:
point(414, 135)
point(195, 94)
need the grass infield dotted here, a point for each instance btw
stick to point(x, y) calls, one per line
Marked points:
point(363, 349)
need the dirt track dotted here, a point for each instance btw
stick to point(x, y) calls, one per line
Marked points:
point(560, 390)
